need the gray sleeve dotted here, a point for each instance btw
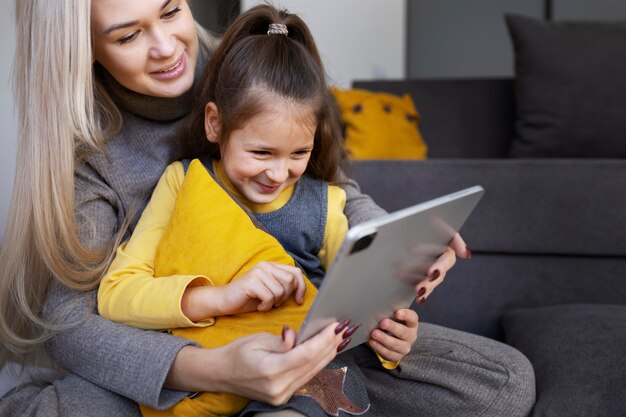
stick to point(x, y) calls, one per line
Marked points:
point(359, 207)
point(125, 360)
point(131, 362)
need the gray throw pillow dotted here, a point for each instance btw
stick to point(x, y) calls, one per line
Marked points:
point(570, 88)
point(578, 352)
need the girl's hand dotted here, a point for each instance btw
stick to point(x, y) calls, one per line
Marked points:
point(262, 366)
point(392, 340)
point(266, 285)
point(437, 272)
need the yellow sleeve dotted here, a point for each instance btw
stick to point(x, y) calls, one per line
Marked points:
point(336, 226)
point(387, 364)
point(129, 293)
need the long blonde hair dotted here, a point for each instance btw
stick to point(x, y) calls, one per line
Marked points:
point(61, 109)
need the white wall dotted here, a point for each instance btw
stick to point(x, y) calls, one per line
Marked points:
point(358, 39)
point(7, 116)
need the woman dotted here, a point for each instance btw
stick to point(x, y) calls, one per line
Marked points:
point(99, 103)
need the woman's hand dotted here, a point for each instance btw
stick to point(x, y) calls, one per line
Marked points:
point(437, 272)
point(266, 285)
point(393, 338)
point(262, 366)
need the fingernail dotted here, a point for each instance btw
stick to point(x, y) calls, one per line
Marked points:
point(421, 292)
point(434, 275)
point(284, 332)
point(350, 331)
point(421, 301)
point(342, 325)
point(468, 252)
point(343, 345)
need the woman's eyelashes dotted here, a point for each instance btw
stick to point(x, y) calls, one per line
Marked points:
point(171, 14)
point(166, 16)
point(129, 38)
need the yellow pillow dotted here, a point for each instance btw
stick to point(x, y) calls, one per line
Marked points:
point(210, 234)
point(380, 125)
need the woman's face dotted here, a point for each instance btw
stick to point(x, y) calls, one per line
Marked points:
point(148, 46)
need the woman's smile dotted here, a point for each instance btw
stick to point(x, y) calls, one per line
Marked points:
point(172, 71)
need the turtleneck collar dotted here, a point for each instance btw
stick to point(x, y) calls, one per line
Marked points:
point(148, 107)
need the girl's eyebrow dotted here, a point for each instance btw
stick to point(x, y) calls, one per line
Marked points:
point(117, 26)
point(261, 146)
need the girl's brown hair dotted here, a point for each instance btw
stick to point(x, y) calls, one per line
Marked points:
point(248, 61)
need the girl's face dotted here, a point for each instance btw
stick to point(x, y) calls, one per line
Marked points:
point(148, 46)
point(270, 152)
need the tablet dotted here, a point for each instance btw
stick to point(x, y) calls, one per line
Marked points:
point(381, 260)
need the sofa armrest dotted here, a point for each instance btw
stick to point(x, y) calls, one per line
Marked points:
point(460, 118)
point(549, 207)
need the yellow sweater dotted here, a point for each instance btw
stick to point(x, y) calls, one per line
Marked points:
point(130, 293)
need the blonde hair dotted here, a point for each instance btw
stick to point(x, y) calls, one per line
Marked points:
point(62, 112)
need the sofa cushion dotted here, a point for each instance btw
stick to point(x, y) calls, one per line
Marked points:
point(380, 125)
point(570, 88)
point(577, 351)
point(460, 118)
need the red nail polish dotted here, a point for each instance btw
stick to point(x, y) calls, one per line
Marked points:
point(284, 332)
point(434, 276)
point(343, 345)
point(421, 301)
point(342, 325)
point(350, 331)
point(468, 252)
point(421, 292)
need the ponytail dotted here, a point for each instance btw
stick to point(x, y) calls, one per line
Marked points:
point(253, 64)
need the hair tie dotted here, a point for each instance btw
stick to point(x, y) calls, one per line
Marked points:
point(277, 29)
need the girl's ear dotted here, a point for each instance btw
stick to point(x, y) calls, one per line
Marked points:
point(212, 122)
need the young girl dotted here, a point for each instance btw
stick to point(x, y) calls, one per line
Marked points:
point(275, 146)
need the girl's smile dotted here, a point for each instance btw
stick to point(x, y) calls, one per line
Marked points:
point(267, 189)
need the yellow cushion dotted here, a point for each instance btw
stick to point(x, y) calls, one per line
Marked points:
point(210, 234)
point(380, 125)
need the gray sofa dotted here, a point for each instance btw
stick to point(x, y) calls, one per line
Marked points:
point(548, 272)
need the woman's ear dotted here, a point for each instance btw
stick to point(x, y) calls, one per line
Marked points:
point(212, 124)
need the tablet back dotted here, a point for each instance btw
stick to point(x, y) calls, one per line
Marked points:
point(381, 261)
